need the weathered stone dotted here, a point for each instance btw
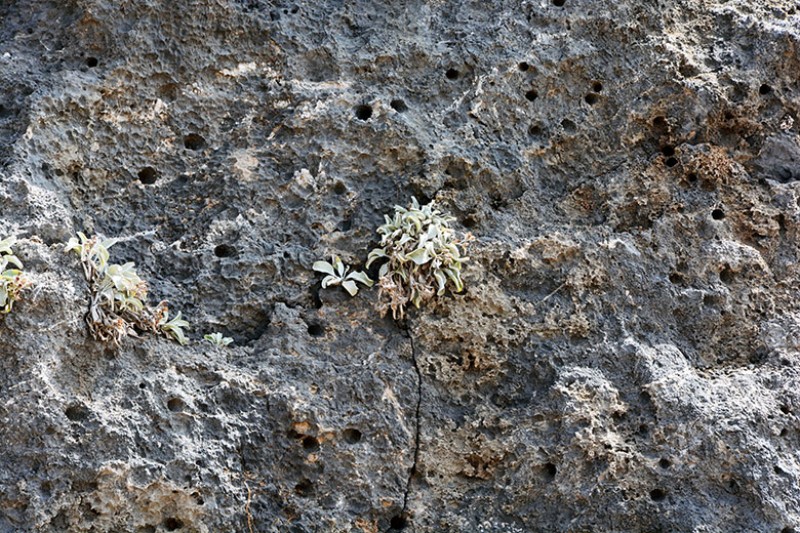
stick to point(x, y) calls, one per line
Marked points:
point(625, 356)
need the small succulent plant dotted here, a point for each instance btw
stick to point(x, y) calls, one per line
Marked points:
point(12, 280)
point(173, 329)
point(422, 257)
point(337, 274)
point(217, 339)
point(118, 306)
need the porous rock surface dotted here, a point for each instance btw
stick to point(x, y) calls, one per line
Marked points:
point(625, 356)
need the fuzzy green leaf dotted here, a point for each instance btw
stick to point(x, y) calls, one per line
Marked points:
point(6, 244)
point(420, 256)
point(324, 267)
point(375, 254)
point(361, 277)
point(14, 260)
point(441, 279)
point(330, 281)
point(218, 339)
point(339, 266)
point(350, 286)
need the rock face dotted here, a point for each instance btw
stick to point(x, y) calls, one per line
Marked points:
point(625, 356)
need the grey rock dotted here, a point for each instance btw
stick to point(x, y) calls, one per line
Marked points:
point(779, 158)
point(625, 356)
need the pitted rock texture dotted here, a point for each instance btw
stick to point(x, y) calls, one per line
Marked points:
point(624, 358)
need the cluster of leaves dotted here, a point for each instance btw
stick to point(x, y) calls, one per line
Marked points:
point(12, 280)
point(337, 274)
point(421, 254)
point(118, 305)
point(217, 339)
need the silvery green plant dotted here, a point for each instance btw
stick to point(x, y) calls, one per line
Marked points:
point(12, 280)
point(337, 274)
point(422, 257)
point(118, 305)
point(217, 339)
point(173, 329)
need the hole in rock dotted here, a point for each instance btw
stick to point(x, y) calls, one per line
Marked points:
point(676, 278)
point(398, 522)
point(523, 66)
point(175, 405)
point(764, 89)
point(363, 112)
point(398, 105)
point(535, 130)
point(224, 250)
point(668, 151)
point(316, 330)
point(345, 225)
point(339, 188)
point(148, 175)
point(351, 435)
point(310, 443)
point(718, 214)
point(550, 471)
point(591, 98)
point(660, 123)
point(76, 413)
point(657, 495)
point(194, 141)
point(785, 409)
point(671, 161)
point(726, 275)
point(558, 3)
point(691, 177)
point(597, 87)
point(91, 62)
point(664, 463)
point(172, 524)
point(304, 488)
point(568, 125)
point(451, 74)
point(531, 95)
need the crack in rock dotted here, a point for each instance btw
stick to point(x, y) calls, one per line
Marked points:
point(413, 470)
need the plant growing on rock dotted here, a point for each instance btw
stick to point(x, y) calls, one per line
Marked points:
point(173, 329)
point(118, 305)
point(337, 274)
point(12, 280)
point(423, 257)
point(217, 339)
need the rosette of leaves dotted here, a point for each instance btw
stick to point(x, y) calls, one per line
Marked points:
point(339, 274)
point(422, 257)
point(173, 329)
point(118, 305)
point(12, 280)
point(218, 339)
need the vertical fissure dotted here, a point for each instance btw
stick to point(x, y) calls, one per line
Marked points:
point(417, 430)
